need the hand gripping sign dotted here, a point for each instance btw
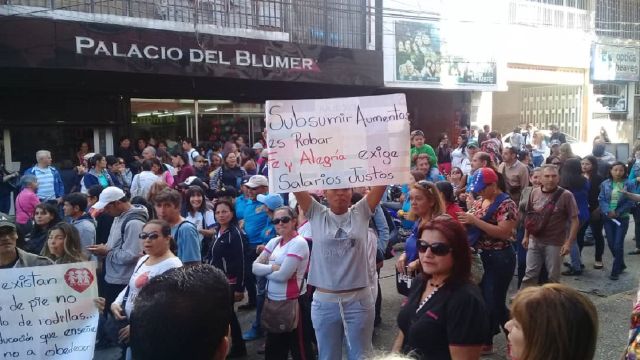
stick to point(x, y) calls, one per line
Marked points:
point(48, 312)
point(337, 143)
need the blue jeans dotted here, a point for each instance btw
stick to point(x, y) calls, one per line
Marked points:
point(261, 283)
point(499, 266)
point(576, 248)
point(538, 160)
point(615, 240)
point(636, 219)
point(339, 317)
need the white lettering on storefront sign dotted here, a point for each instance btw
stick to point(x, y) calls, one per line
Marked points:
point(88, 46)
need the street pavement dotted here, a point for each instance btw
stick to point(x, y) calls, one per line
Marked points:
point(613, 299)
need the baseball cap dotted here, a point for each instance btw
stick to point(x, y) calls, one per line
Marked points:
point(484, 177)
point(108, 195)
point(264, 153)
point(273, 201)
point(192, 181)
point(257, 180)
point(245, 179)
point(5, 221)
point(257, 146)
point(473, 144)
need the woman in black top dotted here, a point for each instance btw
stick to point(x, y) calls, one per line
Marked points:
point(445, 316)
point(229, 174)
point(46, 215)
point(444, 154)
point(590, 171)
point(227, 254)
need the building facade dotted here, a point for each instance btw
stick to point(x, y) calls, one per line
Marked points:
point(76, 71)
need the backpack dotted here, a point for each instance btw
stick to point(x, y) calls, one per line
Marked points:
point(135, 216)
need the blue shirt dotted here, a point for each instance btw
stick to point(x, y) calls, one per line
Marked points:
point(411, 244)
point(188, 240)
point(268, 233)
point(255, 221)
point(241, 203)
point(46, 188)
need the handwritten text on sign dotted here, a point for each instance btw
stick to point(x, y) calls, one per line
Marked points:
point(337, 143)
point(48, 312)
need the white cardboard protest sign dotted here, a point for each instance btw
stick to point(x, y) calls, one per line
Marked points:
point(48, 312)
point(337, 143)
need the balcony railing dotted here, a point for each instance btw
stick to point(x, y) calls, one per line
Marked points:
point(340, 23)
point(536, 14)
point(618, 18)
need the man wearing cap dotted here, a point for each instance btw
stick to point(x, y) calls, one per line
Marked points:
point(547, 247)
point(271, 202)
point(343, 305)
point(254, 220)
point(123, 248)
point(465, 165)
point(10, 255)
point(50, 186)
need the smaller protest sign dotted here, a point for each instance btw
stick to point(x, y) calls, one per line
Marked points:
point(337, 143)
point(48, 312)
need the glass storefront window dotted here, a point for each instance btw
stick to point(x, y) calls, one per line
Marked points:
point(610, 97)
point(218, 120)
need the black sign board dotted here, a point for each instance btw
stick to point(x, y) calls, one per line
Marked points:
point(45, 43)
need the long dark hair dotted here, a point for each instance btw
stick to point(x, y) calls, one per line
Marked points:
point(465, 141)
point(571, 175)
point(618, 163)
point(446, 189)
point(594, 164)
point(234, 220)
point(192, 190)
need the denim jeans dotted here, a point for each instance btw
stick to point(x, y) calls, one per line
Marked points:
point(340, 317)
point(576, 248)
point(538, 160)
point(261, 283)
point(499, 266)
point(615, 240)
point(636, 220)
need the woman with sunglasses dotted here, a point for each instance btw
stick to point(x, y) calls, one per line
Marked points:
point(444, 316)
point(426, 204)
point(158, 245)
point(284, 262)
point(491, 221)
point(227, 253)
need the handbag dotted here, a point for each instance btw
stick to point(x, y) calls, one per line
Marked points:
point(403, 282)
point(280, 316)
point(112, 326)
point(536, 221)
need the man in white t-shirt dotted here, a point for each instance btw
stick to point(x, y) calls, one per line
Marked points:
point(192, 154)
point(339, 269)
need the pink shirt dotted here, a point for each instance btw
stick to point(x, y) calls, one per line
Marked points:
point(26, 205)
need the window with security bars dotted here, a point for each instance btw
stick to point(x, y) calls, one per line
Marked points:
point(618, 18)
point(546, 105)
point(560, 14)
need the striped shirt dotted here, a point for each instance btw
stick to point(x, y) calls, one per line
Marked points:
point(46, 189)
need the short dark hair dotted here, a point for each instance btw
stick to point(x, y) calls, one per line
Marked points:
point(76, 199)
point(168, 196)
point(146, 165)
point(188, 140)
point(111, 160)
point(228, 204)
point(182, 155)
point(182, 314)
point(511, 149)
point(95, 190)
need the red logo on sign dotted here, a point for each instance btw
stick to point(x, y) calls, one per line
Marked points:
point(78, 279)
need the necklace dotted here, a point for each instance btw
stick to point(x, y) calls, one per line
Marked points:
point(423, 302)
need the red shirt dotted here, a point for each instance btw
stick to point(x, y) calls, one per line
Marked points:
point(453, 209)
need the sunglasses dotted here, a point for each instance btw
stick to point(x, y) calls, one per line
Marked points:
point(150, 236)
point(438, 249)
point(284, 220)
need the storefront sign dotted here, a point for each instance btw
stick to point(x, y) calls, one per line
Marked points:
point(420, 58)
point(103, 47)
point(615, 63)
point(48, 312)
point(337, 143)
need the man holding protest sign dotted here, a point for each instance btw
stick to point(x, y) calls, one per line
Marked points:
point(336, 145)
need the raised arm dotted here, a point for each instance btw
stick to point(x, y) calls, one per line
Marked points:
point(373, 197)
point(305, 200)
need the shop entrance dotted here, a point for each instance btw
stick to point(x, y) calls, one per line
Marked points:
point(205, 121)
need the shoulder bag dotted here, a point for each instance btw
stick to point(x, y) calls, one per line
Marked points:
point(280, 316)
point(536, 221)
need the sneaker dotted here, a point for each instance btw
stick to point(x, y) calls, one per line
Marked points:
point(247, 306)
point(252, 334)
point(571, 272)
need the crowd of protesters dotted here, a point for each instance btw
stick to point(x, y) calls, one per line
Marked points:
point(473, 215)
